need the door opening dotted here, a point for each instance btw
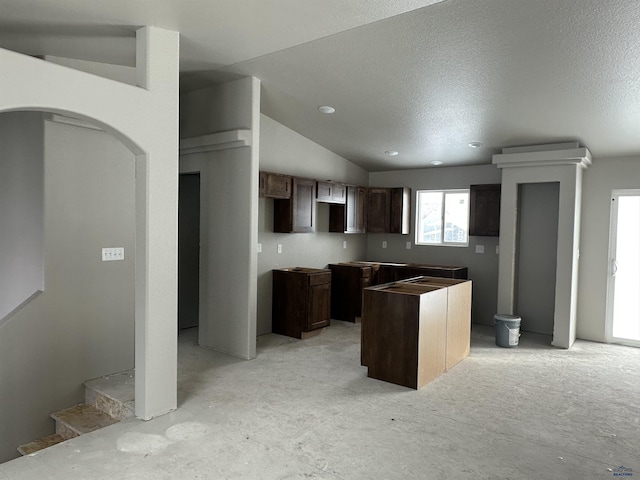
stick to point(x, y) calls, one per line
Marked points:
point(188, 250)
point(623, 299)
point(536, 256)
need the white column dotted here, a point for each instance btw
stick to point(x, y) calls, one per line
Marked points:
point(561, 163)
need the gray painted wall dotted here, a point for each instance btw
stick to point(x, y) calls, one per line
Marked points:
point(284, 151)
point(229, 214)
point(536, 256)
point(603, 176)
point(483, 268)
point(21, 209)
point(82, 325)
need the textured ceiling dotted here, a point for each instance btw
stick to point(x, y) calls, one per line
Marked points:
point(424, 78)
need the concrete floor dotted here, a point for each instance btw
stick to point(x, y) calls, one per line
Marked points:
point(306, 410)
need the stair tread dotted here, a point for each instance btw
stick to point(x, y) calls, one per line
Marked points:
point(40, 444)
point(83, 418)
point(119, 386)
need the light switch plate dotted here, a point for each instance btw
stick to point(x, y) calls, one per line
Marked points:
point(479, 248)
point(408, 245)
point(112, 253)
point(259, 248)
point(344, 244)
point(384, 244)
point(279, 248)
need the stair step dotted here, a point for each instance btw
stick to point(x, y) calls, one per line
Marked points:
point(113, 394)
point(80, 419)
point(40, 444)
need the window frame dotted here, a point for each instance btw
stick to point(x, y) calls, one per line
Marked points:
point(443, 193)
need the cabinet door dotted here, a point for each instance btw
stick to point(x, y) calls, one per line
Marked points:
point(330, 192)
point(339, 193)
point(325, 192)
point(378, 210)
point(319, 314)
point(273, 185)
point(303, 205)
point(355, 210)
point(484, 210)
point(400, 208)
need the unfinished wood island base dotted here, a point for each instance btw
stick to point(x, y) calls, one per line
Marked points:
point(415, 330)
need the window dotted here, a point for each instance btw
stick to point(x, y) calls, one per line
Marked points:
point(442, 217)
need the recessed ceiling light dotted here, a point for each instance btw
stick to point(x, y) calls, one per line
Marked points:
point(475, 144)
point(391, 153)
point(326, 109)
point(435, 162)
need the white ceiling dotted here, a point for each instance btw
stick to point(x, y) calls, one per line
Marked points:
point(424, 78)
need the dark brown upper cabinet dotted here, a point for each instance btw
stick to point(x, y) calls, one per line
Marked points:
point(389, 210)
point(298, 213)
point(330, 192)
point(350, 217)
point(484, 210)
point(274, 185)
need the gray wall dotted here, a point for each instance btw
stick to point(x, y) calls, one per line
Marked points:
point(21, 209)
point(483, 268)
point(284, 151)
point(82, 325)
point(536, 256)
point(603, 176)
point(229, 213)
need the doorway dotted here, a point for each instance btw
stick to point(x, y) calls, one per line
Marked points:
point(623, 300)
point(188, 250)
point(536, 260)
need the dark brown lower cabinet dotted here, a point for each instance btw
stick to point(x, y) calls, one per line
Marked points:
point(347, 282)
point(415, 330)
point(350, 278)
point(301, 302)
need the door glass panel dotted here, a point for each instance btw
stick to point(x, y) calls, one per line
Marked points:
point(626, 269)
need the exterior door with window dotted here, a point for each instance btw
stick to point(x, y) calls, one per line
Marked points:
point(623, 296)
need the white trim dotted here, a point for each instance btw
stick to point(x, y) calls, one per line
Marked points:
point(577, 156)
point(417, 216)
point(76, 122)
point(216, 141)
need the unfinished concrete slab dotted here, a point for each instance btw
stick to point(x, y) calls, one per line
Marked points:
point(306, 409)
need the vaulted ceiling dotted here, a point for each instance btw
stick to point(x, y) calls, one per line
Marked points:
point(423, 78)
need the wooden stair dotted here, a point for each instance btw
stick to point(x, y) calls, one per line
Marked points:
point(108, 400)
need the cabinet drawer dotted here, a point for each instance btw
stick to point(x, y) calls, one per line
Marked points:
point(320, 278)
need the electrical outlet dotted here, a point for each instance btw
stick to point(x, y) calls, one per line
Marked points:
point(112, 253)
point(259, 248)
point(279, 248)
point(384, 244)
point(479, 248)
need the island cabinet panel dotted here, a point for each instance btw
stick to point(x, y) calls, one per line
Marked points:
point(415, 330)
point(404, 333)
point(458, 317)
point(297, 214)
point(347, 282)
point(301, 301)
